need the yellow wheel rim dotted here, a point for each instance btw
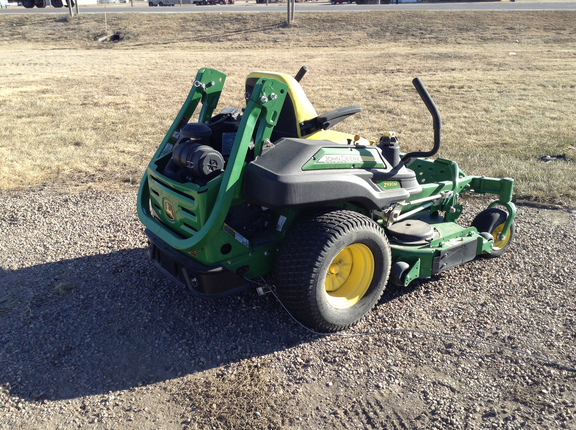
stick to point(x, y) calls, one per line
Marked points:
point(349, 276)
point(499, 244)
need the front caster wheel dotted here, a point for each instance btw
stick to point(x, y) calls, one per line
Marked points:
point(332, 269)
point(398, 273)
point(492, 221)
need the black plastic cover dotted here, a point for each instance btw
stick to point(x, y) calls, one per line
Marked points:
point(454, 256)
point(195, 130)
point(411, 232)
point(276, 180)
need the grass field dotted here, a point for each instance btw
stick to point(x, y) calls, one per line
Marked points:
point(76, 112)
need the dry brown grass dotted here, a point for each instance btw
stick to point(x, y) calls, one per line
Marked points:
point(77, 112)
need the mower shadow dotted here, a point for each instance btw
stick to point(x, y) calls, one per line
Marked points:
point(393, 292)
point(112, 322)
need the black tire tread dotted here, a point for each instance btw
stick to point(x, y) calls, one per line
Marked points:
point(301, 254)
point(487, 221)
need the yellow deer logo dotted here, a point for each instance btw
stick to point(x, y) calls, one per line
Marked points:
point(169, 210)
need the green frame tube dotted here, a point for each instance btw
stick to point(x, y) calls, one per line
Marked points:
point(262, 110)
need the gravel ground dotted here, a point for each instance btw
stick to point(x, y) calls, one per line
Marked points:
point(92, 336)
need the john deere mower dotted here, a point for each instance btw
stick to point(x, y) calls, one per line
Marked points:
point(271, 192)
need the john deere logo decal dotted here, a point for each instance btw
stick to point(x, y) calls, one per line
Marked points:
point(169, 210)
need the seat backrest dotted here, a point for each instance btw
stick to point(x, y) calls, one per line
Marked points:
point(297, 108)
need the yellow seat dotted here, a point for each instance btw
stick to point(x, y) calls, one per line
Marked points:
point(297, 110)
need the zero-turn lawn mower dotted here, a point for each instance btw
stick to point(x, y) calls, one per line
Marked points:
point(331, 217)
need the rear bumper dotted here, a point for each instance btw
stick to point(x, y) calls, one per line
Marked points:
point(200, 280)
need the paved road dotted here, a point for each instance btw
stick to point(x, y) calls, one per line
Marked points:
point(307, 7)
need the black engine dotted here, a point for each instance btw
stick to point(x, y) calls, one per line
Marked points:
point(197, 155)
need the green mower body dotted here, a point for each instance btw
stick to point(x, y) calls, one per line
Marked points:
point(334, 217)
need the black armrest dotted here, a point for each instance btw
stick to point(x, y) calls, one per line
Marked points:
point(327, 120)
point(333, 117)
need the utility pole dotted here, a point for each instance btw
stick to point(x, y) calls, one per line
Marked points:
point(291, 6)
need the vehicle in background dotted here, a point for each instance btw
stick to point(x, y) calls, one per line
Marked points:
point(163, 2)
point(29, 4)
point(211, 2)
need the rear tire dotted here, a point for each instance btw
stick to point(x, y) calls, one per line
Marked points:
point(40, 4)
point(28, 4)
point(332, 269)
point(492, 221)
point(57, 3)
